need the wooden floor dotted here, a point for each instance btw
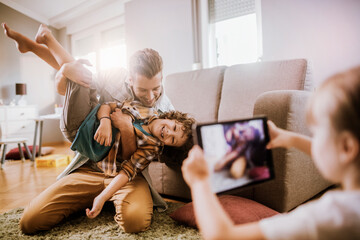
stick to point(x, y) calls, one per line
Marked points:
point(20, 181)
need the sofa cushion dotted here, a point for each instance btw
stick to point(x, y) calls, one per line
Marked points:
point(240, 210)
point(196, 92)
point(168, 180)
point(243, 83)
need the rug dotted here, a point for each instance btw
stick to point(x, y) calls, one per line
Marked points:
point(78, 226)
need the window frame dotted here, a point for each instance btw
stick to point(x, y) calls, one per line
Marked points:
point(208, 40)
point(96, 33)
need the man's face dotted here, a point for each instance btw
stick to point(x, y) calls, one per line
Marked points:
point(146, 90)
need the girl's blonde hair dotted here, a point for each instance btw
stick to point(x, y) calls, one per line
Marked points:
point(344, 107)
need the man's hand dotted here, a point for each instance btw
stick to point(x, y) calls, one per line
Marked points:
point(195, 168)
point(96, 208)
point(103, 134)
point(76, 72)
point(121, 120)
point(60, 82)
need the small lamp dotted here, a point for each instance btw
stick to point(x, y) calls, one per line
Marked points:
point(21, 90)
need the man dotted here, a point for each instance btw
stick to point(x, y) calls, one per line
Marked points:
point(73, 192)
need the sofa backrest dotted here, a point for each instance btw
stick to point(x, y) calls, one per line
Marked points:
point(243, 83)
point(196, 92)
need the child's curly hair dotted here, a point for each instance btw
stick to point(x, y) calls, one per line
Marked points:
point(174, 156)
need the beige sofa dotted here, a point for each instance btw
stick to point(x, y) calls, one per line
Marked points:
point(279, 90)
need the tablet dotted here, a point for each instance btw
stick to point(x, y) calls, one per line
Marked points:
point(236, 152)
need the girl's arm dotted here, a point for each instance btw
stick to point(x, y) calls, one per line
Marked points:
point(117, 183)
point(286, 139)
point(211, 219)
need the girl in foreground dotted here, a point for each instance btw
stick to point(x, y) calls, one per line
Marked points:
point(334, 120)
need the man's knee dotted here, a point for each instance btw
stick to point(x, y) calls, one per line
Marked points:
point(27, 223)
point(33, 221)
point(134, 217)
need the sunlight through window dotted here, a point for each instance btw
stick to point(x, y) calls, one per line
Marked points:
point(114, 56)
point(237, 40)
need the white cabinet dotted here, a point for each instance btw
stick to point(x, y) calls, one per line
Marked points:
point(18, 121)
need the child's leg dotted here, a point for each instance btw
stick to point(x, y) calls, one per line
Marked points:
point(44, 36)
point(78, 103)
point(25, 44)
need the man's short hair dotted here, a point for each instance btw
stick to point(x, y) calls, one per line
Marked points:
point(146, 62)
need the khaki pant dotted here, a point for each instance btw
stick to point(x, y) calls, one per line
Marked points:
point(75, 192)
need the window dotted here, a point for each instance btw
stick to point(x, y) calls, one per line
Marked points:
point(85, 48)
point(103, 46)
point(234, 32)
point(113, 48)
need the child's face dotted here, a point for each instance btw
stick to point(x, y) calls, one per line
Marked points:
point(324, 147)
point(170, 132)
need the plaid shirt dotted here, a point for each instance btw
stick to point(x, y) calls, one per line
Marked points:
point(148, 147)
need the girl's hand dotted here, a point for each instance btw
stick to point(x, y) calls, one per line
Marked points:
point(278, 137)
point(195, 168)
point(103, 134)
point(96, 208)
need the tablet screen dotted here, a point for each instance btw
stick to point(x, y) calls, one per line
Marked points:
point(236, 152)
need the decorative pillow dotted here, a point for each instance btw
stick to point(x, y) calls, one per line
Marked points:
point(240, 210)
point(15, 155)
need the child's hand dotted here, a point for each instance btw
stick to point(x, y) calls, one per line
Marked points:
point(96, 208)
point(278, 137)
point(103, 134)
point(194, 167)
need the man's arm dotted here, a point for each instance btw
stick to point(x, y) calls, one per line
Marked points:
point(117, 183)
point(76, 72)
point(60, 82)
point(123, 122)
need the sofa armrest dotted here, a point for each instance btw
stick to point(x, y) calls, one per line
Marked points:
point(296, 177)
point(286, 108)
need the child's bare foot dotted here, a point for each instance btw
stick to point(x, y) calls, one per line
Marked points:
point(22, 42)
point(43, 34)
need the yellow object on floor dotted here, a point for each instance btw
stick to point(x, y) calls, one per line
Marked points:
point(53, 160)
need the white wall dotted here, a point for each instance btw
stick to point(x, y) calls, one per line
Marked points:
point(327, 32)
point(27, 68)
point(164, 25)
